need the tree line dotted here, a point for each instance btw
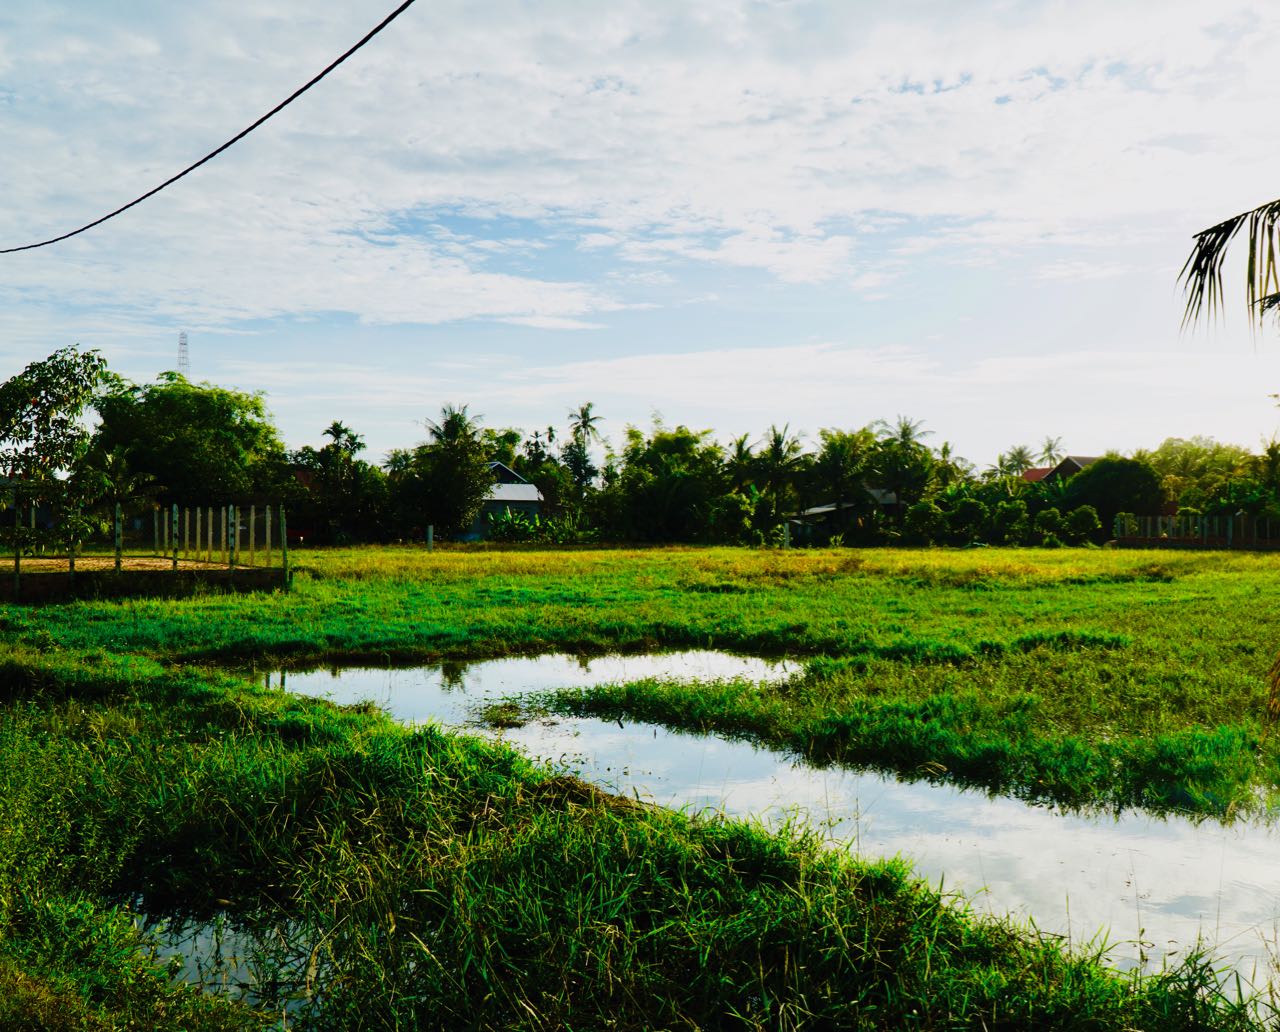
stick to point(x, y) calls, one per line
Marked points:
point(196, 444)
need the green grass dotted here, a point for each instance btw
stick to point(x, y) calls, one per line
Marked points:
point(1083, 677)
point(445, 882)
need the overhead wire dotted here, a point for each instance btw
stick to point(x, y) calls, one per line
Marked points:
point(231, 142)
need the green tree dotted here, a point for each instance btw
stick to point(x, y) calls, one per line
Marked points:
point(1050, 451)
point(780, 465)
point(672, 486)
point(444, 481)
point(1016, 461)
point(924, 523)
point(1083, 524)
point(838, 472)
point(201, 444)
point(42, 437)
point(346, 497)
point(968, 520)
point(41, 434)
point(1114, 484)
point(1049, 525)
point(901, 463)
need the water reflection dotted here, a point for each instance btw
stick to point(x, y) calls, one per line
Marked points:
point(1152, 885)
point(259, 960)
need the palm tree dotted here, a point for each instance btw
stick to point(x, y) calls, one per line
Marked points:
point(741, 462)
point(344, 437)
point(1016, 461)
point(1051, 451)
point(582, 424)
point(904, 431)
point(1201, 276)
point(456, 424)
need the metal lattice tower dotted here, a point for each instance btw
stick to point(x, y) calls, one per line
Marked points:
point(184, 355)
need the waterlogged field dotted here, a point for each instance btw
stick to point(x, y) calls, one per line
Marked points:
point(439, 880)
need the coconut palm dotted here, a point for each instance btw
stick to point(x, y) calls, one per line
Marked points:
point(1051, 451)
point(1201, 276)
point(582, 424)
point(1016, 461)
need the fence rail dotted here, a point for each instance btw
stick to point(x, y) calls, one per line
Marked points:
point(47, 540)
point(1240, 531)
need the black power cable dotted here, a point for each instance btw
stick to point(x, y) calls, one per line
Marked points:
point(235, 139)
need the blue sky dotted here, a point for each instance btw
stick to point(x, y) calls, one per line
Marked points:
point(735, 213)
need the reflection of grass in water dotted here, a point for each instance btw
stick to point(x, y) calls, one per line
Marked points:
point(254, 958)
point(451, 883)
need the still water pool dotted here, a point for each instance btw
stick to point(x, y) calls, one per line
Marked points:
point(1149, 886)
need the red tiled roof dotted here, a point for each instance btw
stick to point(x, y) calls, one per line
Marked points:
point(1036, 475)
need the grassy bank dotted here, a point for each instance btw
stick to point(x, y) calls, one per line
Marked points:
point(443, 882)
point(434, 880)
point(1120, 678)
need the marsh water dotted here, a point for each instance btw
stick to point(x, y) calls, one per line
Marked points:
point(1148, 886)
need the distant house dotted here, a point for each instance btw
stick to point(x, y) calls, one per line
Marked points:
point(1034, 476)
point(819, 521)
point(510, 493)
point(1069, 467)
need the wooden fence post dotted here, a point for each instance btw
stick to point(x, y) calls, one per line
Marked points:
point(431, 533)
point(197, 533)
point(209, 532)
point(186, 533)
point(17, 547)
point(155, 528)
point(119, 538)
point(267, 514)
point(284, 547)
point(71, 548)
point(253, 534)
point(174, 521)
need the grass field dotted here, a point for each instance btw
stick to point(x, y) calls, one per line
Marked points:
point(453, 883)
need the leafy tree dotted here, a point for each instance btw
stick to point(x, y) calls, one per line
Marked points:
point(502, 446)
point(201, 444)
point(576, 459)
point(444, 481)
point(949, 469)
point(780, 465)
point(901, 463)
point(1010, 524)
point(1195, 470)
point(1048, 523)
point(838, 472)
point(41, 435)
point(40, 430)
point(672, 486)
point(1114, 484)
point(968, 520)
point(924, 522)
point(346, 497)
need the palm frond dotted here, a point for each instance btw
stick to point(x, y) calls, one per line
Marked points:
point(1201, 275)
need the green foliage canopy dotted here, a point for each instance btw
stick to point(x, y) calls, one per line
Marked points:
point(201, 444)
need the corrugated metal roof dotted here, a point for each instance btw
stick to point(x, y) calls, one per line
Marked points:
point(514, 493)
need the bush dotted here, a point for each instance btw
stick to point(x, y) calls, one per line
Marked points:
point(924, 522)
point(1083, 523)
point(1049, 524)
point(968, 520)
point(1009, 523)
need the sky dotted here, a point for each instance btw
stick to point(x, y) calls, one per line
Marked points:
point(726, 215)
